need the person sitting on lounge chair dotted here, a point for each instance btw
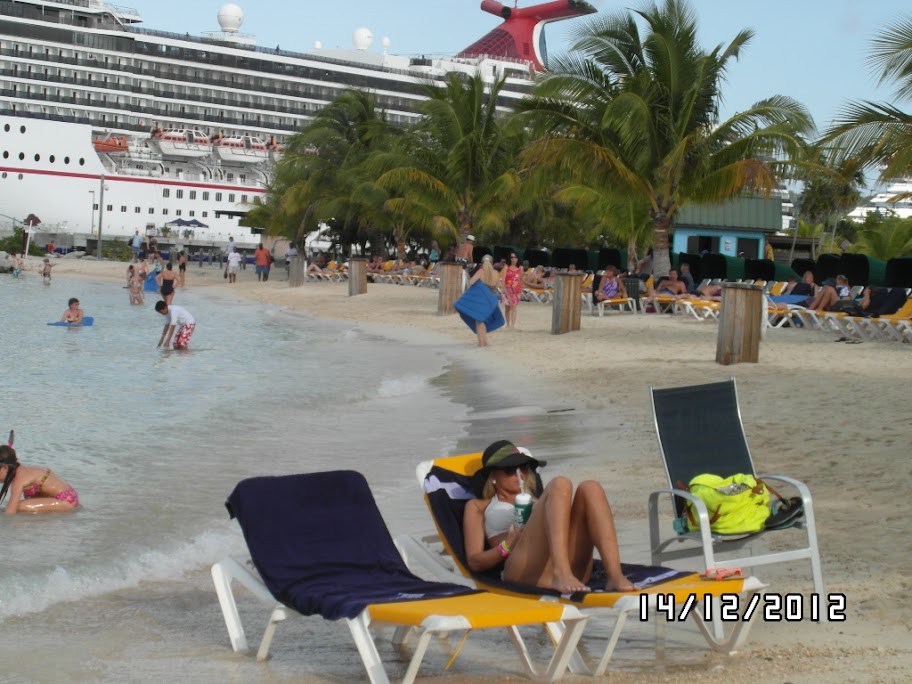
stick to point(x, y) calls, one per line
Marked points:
point(611, 286)
point(554, 548)
point(830, 293)
point(669, 285)
point(806, 287)
point(536, 278)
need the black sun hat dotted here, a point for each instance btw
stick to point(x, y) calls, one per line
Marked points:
point(502, 454)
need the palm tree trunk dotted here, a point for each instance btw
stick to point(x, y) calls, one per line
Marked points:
point(661, 256)
point(631, 254)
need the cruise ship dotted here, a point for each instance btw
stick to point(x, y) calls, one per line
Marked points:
point(106, 124)
point(882, 203)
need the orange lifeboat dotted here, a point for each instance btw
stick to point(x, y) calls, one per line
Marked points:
point(114, 144)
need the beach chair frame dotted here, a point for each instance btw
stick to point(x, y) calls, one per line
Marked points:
point(430, 554)
point(699, 430)
point(482, 611)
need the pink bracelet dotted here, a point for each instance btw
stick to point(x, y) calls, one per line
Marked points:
point(504, 550)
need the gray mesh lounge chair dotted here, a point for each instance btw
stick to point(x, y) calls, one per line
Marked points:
point(700, 431)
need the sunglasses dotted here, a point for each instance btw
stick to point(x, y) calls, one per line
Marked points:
point(511, 470)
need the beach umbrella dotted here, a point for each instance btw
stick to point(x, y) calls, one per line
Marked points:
point(178, 222)
point(193, 223)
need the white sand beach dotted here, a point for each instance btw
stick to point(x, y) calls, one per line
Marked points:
point(829, 414)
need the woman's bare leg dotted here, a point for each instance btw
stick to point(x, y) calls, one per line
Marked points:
point(482, 331)
point(541, 555)
point(44, 505)
point(592, 524)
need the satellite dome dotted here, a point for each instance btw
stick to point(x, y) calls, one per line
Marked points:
point(362, 38)
point(385, 42)
point(230, 17)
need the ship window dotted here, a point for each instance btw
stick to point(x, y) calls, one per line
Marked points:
point(218, 197)
point(82, 161)
point(53, 158)
point(164, 212)
point(22, 129)
point(231, 197)
point(180, 194)
point(123, 209)
point(110, 207)
point(37, 157)
point(205, 214)
point(193, 194)
point(244, 199)
point(21, 156)
point(4, 174)
point(151, 210)
point(178, 212)
point(6, 128)
point(205, 197)
point(192, 213)
point(166, 192)
point(5, 154)
point(136, 211)
point(66, 160)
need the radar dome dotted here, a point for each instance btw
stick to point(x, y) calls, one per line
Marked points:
point(362, 38)
point(230, 17)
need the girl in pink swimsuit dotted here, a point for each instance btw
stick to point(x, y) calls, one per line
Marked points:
point(33, 490)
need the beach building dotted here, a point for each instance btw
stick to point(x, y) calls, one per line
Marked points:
point(739, 227)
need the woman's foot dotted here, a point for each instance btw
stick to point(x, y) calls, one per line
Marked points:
point(620, 583)
point(568, 583)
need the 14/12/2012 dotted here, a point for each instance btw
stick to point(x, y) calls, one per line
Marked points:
point(734, 607)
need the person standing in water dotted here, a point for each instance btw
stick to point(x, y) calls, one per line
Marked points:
point(166, 280)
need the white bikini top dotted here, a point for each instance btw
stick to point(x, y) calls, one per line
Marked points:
point(498, 517)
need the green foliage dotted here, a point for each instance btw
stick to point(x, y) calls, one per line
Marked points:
point(13, 244)
point(636, 111)
point(885, 238)
point(116, 250)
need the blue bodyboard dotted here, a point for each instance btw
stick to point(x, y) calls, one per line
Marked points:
point(86, 320)
point(479, 305)
point(151, 285)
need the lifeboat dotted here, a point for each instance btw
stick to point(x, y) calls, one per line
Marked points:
point(111, 145)
point(181, 142)
point(241, 149)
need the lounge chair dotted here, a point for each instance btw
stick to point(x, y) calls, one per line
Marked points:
point(699, 431)
point(320, 547)
point(446, 484)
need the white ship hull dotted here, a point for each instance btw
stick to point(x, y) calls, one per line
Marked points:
point(53, 171)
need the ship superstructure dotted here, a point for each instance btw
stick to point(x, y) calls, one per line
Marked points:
point(168, 126)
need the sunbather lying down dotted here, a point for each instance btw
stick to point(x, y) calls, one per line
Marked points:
point(554, 548)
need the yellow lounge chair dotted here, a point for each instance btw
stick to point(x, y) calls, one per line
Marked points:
point(445, 483)
point(319, 546)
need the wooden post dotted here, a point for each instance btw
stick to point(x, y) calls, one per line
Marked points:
point(565, 316)
point(296, 271)
point(740, 324)
point(451, 287)
point(357, 276)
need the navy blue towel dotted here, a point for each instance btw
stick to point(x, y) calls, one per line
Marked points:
point(321, 546)
point(479, 305)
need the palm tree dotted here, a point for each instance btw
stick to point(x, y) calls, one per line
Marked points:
point(456, 169)
point(891, 238)
point(322, 172)
point(639, 112)
point(830, 192)
point(880, 134)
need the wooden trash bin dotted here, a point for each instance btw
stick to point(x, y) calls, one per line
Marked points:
point(357, 276)
point(740, 324)
point(565, 316)
point(451, 287)
point(296, 271)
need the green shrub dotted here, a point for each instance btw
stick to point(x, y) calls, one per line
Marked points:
point(13, 244)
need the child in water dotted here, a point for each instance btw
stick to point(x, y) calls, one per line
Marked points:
point(45, 271)
point(31, 489)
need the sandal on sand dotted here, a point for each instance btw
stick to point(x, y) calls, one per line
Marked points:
point(842, 339)
point(854, 341)
point(722, 574)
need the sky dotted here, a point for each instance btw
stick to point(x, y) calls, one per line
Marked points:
point(812, 50)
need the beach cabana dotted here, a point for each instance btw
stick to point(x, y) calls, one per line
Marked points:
point(760, 269)
point(504, 252)
point(800, 266)
point(898, 272)
point(537, 257)
point(828, 266)
point(695, 261)
point(610, 256)
point(562, 257)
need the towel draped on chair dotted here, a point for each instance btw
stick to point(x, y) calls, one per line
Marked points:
point(322, 547)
